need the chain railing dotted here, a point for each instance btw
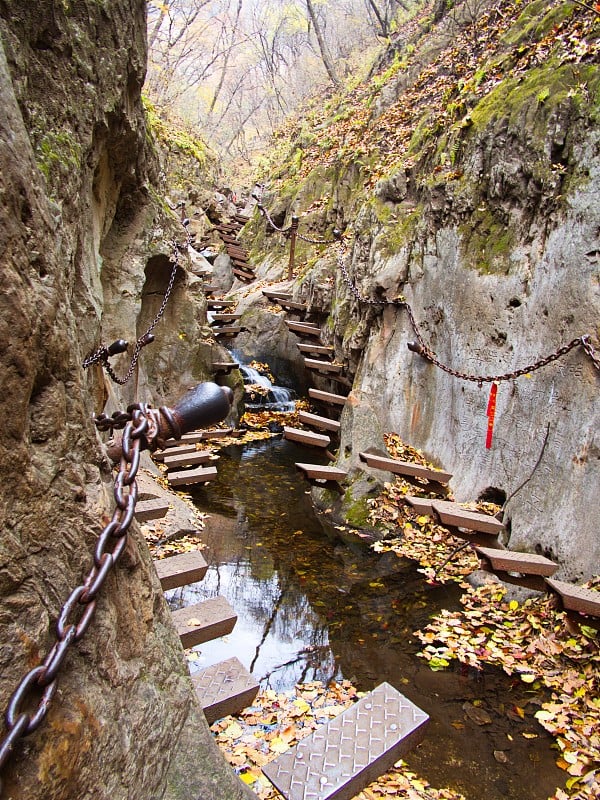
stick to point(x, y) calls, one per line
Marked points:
point(423, 349)
point(104, 352)
point(31, 700)
point(143, 428)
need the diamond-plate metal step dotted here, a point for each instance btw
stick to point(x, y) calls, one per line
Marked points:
point(181, 569)
point(342, 757)
point(204, 621)
point(225, 688)
point(146, 510)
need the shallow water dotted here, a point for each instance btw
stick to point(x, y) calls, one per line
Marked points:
point(309, 608)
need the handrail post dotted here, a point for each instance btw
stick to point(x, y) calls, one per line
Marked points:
point(293, 231)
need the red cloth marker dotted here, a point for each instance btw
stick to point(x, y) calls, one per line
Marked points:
point(491, 413)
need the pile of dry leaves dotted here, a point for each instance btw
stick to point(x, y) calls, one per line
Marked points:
point(534, 641)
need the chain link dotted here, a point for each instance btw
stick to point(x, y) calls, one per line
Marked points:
point(423, 349)
point(269, 219)
point(104, 352)
point(31, 699)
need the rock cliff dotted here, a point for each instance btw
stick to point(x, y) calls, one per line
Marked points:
point(466, 175)
point(82, 252)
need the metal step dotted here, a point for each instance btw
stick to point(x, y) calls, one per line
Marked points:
point(226, 330)
point(285, 303)
point(318, 472)
point(305, 437)
point(327, 397)
point(323, 423)
point(181, 569)
point(456, 516)
point(322, 366)
point(274, 295)
point(225, 688)
point(341, 758)
point(525, 563)
point(189, 459)
point(317, 349)
point(219, 433)
point(303, 328)
point(224, 367)
point(191, 476)
point(404, 468)
point(175, 449)
point(576, 598)
point(150, 509)
point(204, 622)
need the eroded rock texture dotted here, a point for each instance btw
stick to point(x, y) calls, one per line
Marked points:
point(74, 201)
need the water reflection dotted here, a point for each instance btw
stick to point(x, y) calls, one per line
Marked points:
point(309, 608)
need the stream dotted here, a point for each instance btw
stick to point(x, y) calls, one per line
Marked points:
point(312, 608)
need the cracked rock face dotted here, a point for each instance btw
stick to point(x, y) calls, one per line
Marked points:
point(124, 722)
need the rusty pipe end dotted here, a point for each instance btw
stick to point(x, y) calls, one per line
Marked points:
point(205, 404)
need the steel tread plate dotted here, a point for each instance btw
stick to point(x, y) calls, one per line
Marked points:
point(577, 598)
point(510, 561)
point(150, 509)
point(453, 514)
point(305, 437)
point(422, 505)
point(405, 468)
point(180, 569)
point(225, 688)
point(324, 423)
point(189, 459)
point(204, 621)
point(342, 757)
point(322, 472)
point(190, 476)
point(327, 397)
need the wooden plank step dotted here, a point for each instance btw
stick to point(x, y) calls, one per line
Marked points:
point(208, 289)
point(322, 366)
point(305, 437)
point(422, 505)
point(323, 423)
point(510, 561)
point(218, 433)
point(576, 598)
point(204, 621)
point(318, 472)
point(189, 459)
point(224, 367)
point(150, 509)
point(181, 569)
point(339, 759)
point(193, 437)
point(405, 468)
point(242, 263)
point(225, 688)
point(189, 477)
point(225, 330)
point(307, 328)
point(319, 349)
point(327, 397)
point(274, 295)
point(216, 303)
point(284, 303)
point(456, 516)
point(225, 316)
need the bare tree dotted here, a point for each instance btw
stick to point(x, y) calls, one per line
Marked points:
point(326, 57)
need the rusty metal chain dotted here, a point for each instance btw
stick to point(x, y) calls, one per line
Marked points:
point(31, 699)
point(269, 219)
point(423, 349)
point(287, 230)
point(102, 354)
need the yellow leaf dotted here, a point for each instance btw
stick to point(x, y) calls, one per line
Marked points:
point(248, 777)
point(513, 605)
point(527, 677)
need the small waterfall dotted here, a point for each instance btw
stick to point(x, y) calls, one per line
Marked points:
point(266, 396)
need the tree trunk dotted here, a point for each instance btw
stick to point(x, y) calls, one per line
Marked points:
point(325, 56)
